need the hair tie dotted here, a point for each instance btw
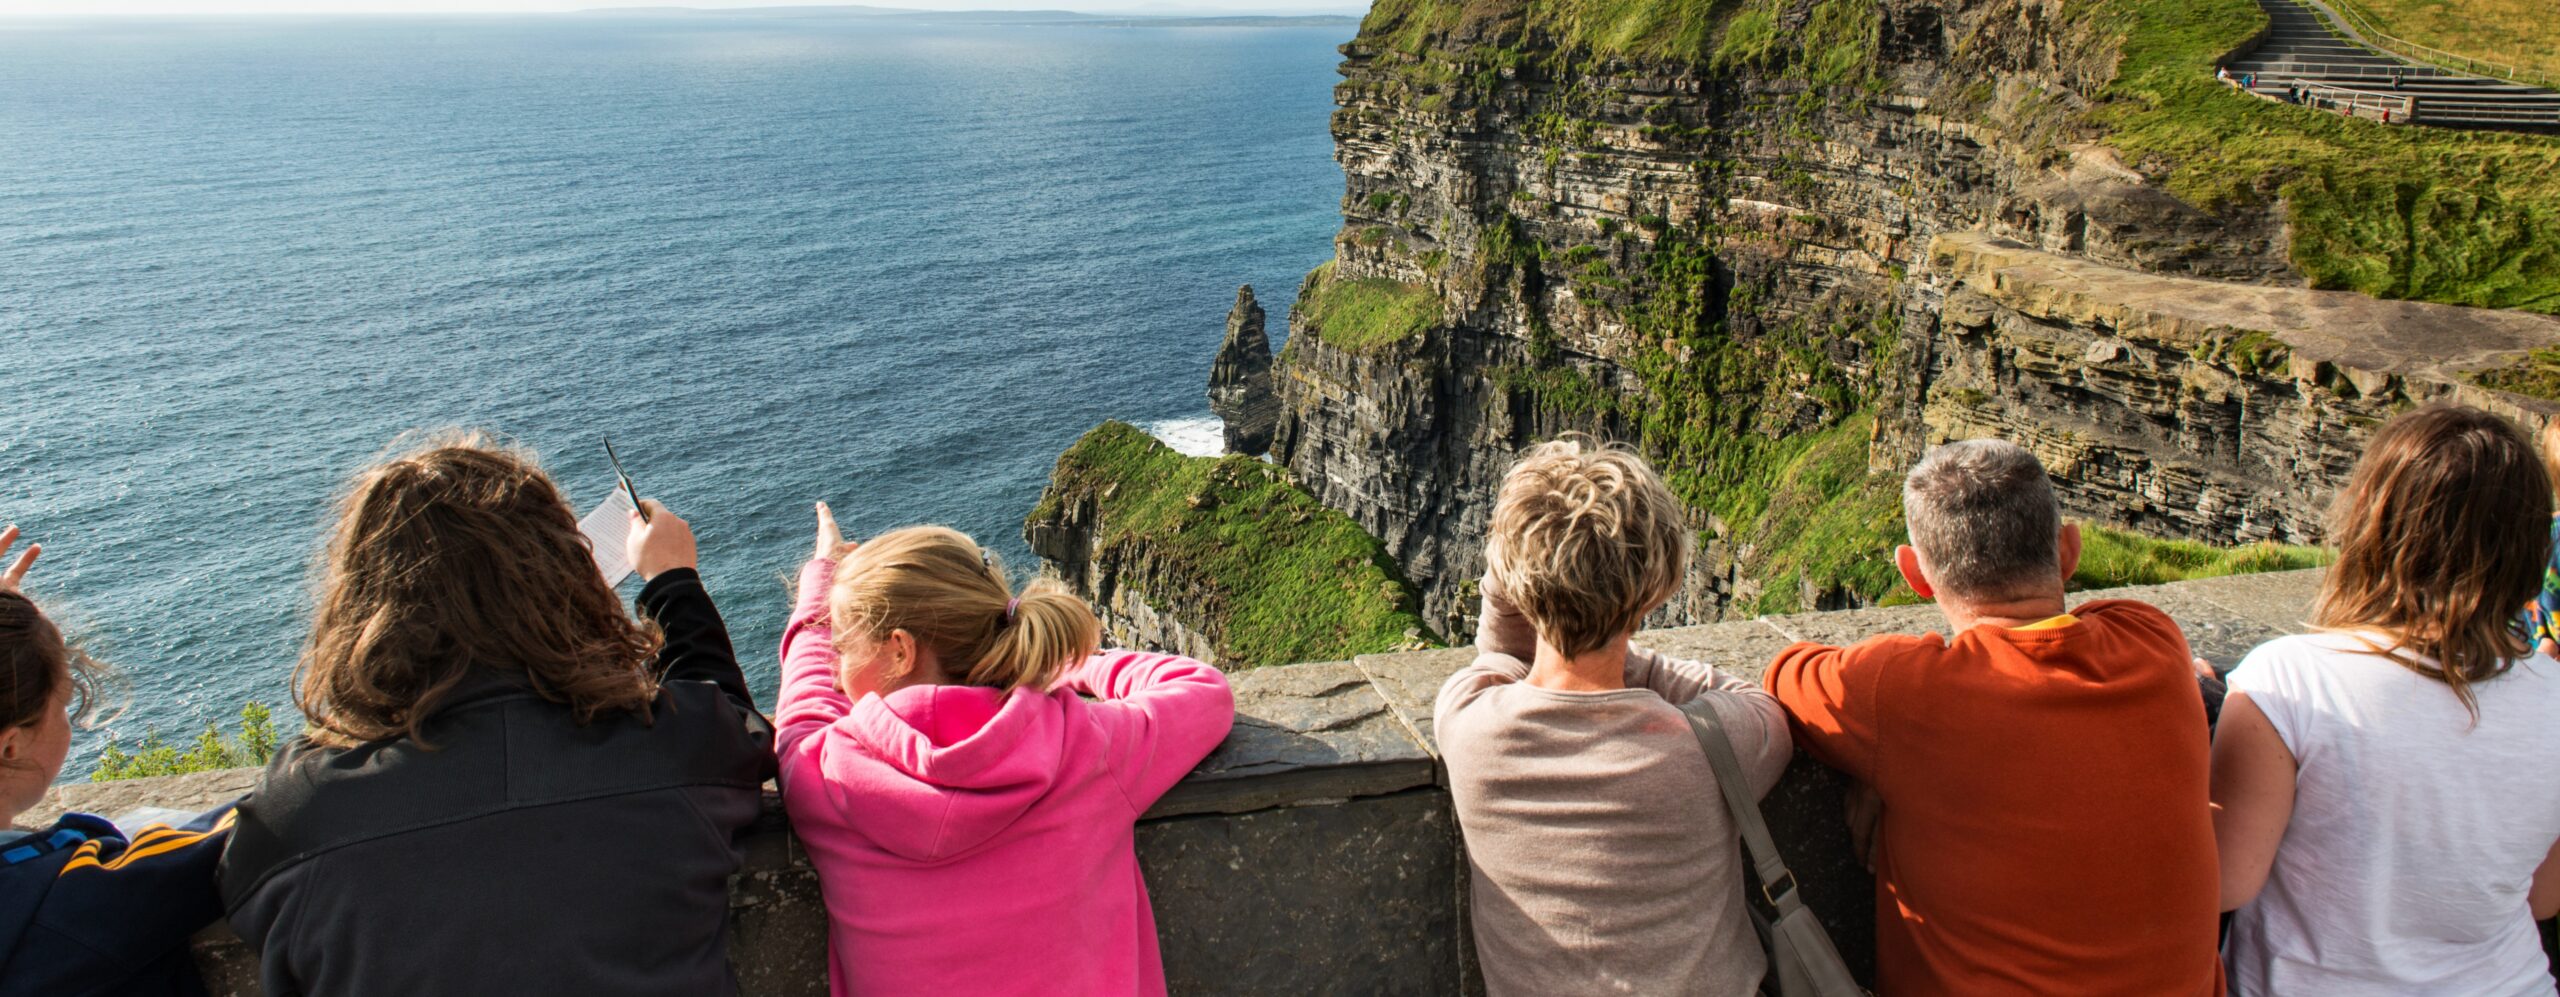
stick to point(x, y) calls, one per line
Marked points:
point(1009, 606)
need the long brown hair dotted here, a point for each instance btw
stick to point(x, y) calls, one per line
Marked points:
point(460, 556)
point(2443, 533)
point(35, 662)
point(937, 585)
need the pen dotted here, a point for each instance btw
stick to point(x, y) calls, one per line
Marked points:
point(626, 480)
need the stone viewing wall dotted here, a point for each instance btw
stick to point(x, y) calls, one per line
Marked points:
point(1315, 851)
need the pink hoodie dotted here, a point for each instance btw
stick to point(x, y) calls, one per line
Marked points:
point(971, 841)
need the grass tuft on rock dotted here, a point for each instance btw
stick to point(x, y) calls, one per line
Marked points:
point(2111, 557)
point(1276, 576)
point(1829, 527)
point(211, 751)
point(1366, 315)
point(2537, 374)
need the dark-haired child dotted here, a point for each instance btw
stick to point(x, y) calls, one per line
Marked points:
point(84, 907)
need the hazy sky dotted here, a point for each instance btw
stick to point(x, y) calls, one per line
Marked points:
point(92, 8)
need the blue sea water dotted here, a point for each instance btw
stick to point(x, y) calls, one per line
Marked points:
point(898, 267)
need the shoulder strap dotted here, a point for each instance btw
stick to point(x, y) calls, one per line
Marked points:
point(1777, 885)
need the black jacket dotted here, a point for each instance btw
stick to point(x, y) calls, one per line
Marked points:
point(525, 854)
point(87, 912)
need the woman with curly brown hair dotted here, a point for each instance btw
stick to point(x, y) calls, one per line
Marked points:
point(509, 785)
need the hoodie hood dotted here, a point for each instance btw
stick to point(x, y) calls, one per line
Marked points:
point(954, 765)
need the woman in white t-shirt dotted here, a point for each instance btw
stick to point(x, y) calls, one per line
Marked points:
point(2387, 790)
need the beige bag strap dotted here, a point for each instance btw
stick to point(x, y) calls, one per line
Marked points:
point(1802, 960)
point(1777, 885)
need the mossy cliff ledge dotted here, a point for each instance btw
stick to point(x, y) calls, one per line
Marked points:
point(1221, 559)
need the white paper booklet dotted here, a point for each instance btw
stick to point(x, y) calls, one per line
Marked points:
point(607, 528)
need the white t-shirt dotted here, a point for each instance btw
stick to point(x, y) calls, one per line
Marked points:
point(2415, 833)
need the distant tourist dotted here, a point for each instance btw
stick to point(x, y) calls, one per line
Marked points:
point(509, 785)
point(2542, 615)
point(1602, 854)
point(971, 815)
point(2042, 772)
point(2390, 820)
point(85, 908)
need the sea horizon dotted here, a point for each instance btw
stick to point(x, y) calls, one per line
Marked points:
point(898, 269)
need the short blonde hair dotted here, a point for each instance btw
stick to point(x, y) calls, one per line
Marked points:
point(938, 585)
point(1586, 540)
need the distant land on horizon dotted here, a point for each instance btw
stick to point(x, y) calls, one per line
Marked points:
point(1170, 19)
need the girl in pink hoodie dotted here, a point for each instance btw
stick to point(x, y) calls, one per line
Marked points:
point(970, 813)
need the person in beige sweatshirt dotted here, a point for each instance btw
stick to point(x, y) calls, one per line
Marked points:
point(1602, 859)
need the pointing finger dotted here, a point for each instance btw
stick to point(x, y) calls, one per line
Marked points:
point(18, 571)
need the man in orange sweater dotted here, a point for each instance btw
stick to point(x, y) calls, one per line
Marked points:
point(2046, 826)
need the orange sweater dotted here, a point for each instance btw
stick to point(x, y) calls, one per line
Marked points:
point(2046, 825)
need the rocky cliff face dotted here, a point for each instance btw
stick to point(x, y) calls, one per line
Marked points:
point(1728, 260)
point(1240, 391)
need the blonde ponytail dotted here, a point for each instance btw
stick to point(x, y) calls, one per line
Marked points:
point(1049, 630)
point(940, 587)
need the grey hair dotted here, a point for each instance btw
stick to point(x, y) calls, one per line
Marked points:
point(1983, 515)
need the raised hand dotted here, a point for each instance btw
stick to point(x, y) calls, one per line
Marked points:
point(831, 545)
point(663, 542)
point(17, 571)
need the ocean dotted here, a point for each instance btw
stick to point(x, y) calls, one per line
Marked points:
point(897, 266)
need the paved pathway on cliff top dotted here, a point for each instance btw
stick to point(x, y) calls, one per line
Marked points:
point(2307, 44)
point(2445, 344)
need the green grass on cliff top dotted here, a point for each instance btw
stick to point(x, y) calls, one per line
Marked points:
point(1365, 315)
point(2109, 558)
point(1837, 33)
point(2516, 32)
point(1289, 579)
point(2465, 217)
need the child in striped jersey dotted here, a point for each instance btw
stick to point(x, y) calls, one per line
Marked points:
point(84, 908)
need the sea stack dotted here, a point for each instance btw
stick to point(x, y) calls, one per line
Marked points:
point(1240, 381)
